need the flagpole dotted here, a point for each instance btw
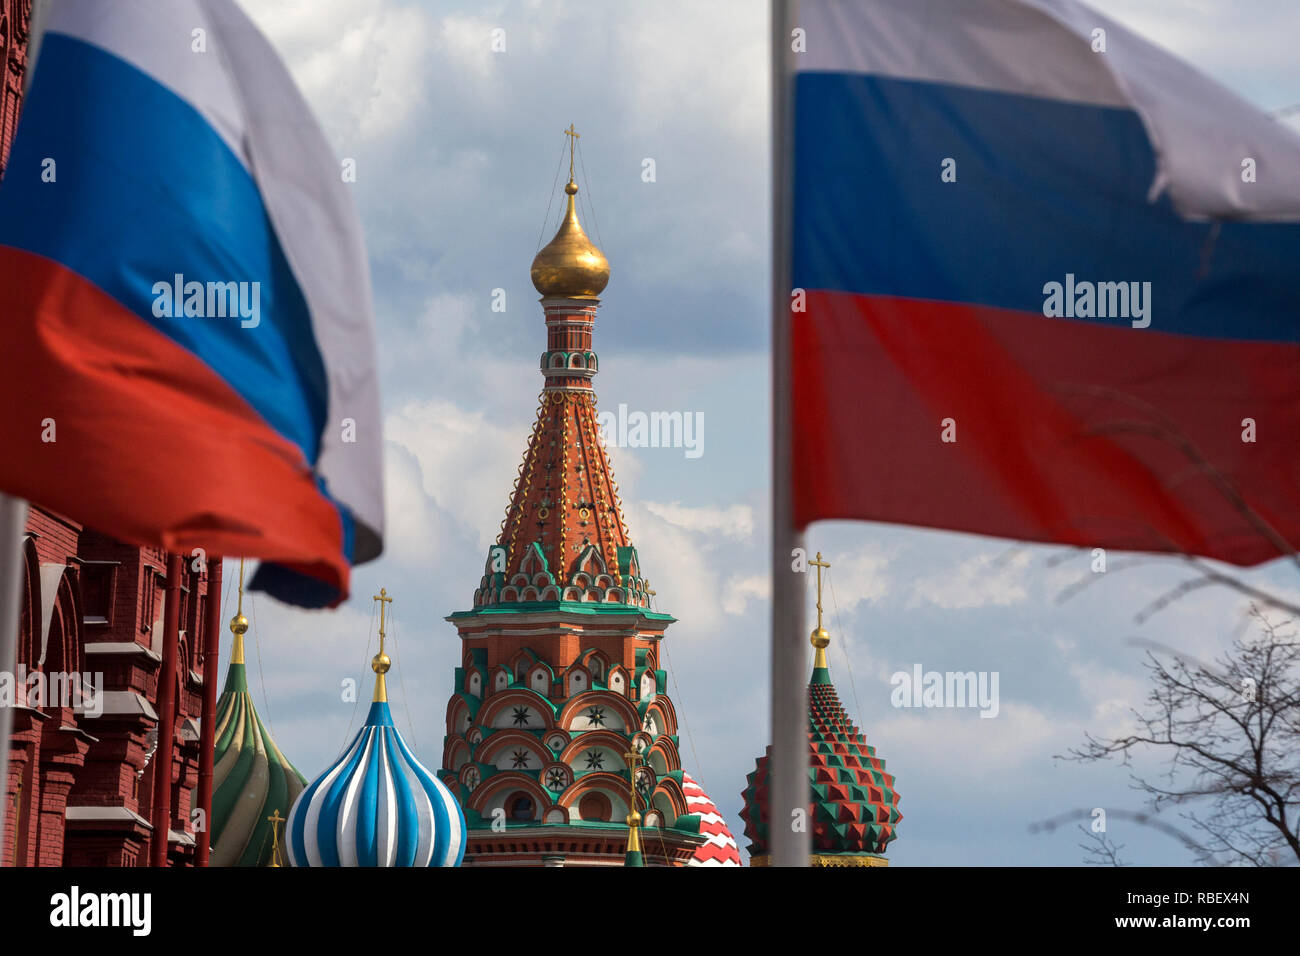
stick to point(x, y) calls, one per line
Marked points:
point(13, 518)
point(788, 793)
point(208, 720)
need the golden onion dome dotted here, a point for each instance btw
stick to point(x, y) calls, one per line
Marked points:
point(570, 266)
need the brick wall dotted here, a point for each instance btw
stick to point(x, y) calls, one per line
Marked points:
point(100, 766)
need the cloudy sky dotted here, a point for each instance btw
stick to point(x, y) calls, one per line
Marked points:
point(456, 149)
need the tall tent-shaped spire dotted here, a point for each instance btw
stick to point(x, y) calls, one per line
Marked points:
point(251, 779)
point(853, 809)
point(564, 528)
point(562, 670)
point(377, 805)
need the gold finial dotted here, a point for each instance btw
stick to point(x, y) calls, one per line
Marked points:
point(633, 832)
point(570, 266)
point(632, 759)
point(820, 636)
point(381, 661)
point(275, 821)
point(239, 623)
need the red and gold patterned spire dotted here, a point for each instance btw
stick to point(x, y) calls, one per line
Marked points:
point(853, 810)
point(560, 681)
point(564, 537)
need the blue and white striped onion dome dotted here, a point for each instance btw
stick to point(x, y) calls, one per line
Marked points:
point(376, 806)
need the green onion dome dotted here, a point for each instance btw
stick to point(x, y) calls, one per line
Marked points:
point(251, 779)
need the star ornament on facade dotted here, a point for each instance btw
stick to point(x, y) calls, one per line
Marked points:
point(555, 779)
point(521, 717)
point(595, 760)
point(644, 783)
point(596, 715)
point(520, 758)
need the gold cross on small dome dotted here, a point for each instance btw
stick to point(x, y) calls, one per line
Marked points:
point(381, 662)
point(820, 636)
point(574, 136)
point(275, 820)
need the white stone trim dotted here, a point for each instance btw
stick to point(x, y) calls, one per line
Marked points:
point(104, 813)
point(121, 647)
point(125, 703)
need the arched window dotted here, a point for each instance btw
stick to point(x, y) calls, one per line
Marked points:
point(577, 682)
point(522, 807)
point(541, 682)
point(21, 825)
point(594, 806)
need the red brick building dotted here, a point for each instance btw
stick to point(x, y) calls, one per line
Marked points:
point(80, 782)
point(15, 17)
point(81, 772)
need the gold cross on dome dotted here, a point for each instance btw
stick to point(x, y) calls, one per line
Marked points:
point(633, 760)
point(383, 599)
point(574, 136)
point(275, 820)
point(819, 564)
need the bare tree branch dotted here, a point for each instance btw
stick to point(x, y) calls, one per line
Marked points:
point(1100, 851)
point(1230, 734)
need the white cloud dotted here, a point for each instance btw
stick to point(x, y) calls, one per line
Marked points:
point(740, 589)
point(686, 70)
point(415, 529)
point(970, 747)
point(982, 581)
point(684, 575)
point(466, 461)
point(736, 522)
point(861, 576)
point(363, 67)
point(1113, 696)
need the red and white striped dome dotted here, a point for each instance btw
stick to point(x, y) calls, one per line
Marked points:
point(719, 848)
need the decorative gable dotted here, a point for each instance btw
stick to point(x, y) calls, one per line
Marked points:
point(617, 679)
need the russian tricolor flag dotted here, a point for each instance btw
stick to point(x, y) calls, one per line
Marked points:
point(188, 353)
point(1047, 283)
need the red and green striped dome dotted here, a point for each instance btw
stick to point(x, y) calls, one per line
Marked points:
point(854, 809)
point(719, 848)
point(251, 778)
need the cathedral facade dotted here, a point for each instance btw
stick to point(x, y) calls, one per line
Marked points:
point(85, 693)
point(562, 740)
